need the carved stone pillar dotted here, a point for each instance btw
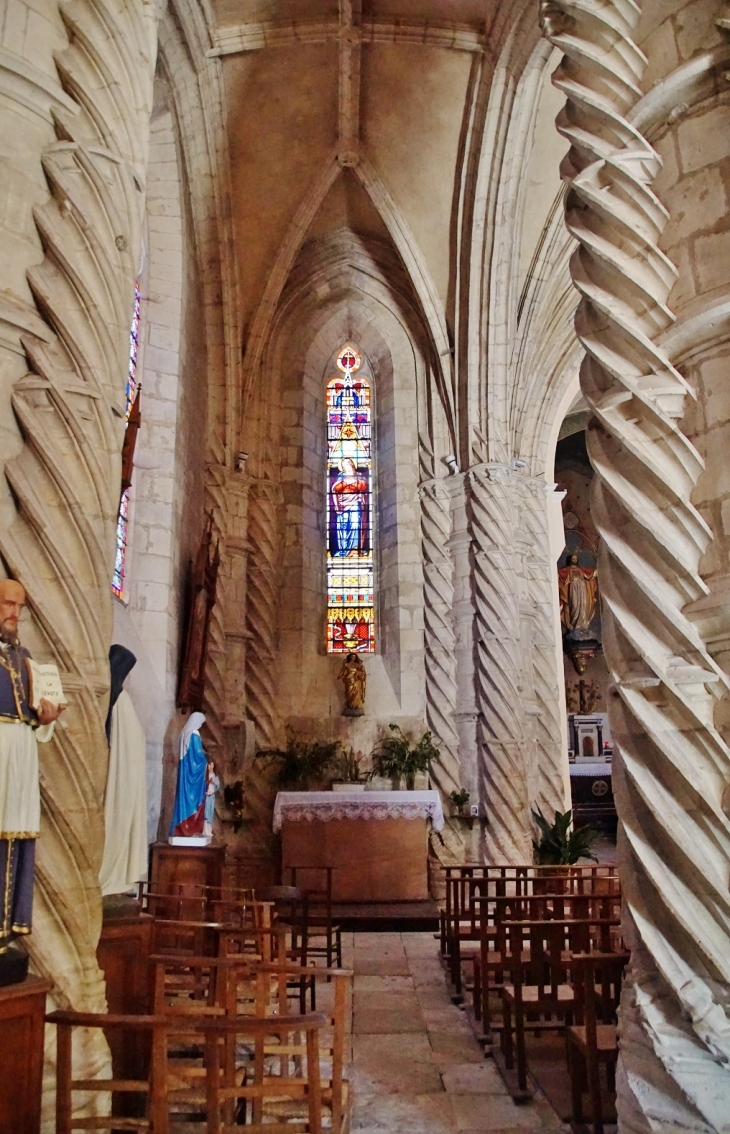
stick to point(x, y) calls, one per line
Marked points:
point(58, 532)
point(671, 766)
point(501, 731)
point(551, 791)
point(440, 650)
point(439, 638)
point(261, 612)
point(466, 715)
point(217, 506)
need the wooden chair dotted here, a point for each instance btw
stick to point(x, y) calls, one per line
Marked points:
point(593, 1040)
point(540, 986)
point(321, 923)
point(231, 987)
point(533, 900)
point(152, 1089)
point(273, 991)
point(469, 886)
point(291, 907)
point(218, 1093)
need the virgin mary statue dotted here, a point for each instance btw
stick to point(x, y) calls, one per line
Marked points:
point(189, 814)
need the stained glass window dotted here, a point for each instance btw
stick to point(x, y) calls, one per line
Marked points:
point(120, 558)
point(350, 585)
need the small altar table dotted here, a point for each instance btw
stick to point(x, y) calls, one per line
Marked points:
point(377, 841)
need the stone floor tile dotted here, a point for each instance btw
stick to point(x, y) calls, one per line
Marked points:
point(372, 1021)
point(381, 966)
point(473, 1078)
point(405, 1114)
point(377, 1073)
point(454, 1049)
point(383, 984)
point(403, 1045)
point(431, 996)
point(490, 1112)
point(401, 1001)
point(447, 1019)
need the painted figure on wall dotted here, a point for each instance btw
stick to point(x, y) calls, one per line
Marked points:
point(192, 780)
point(578, 588)
point(350, 508)
point(21, 727)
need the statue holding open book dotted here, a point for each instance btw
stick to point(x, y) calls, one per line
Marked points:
point(31, 701)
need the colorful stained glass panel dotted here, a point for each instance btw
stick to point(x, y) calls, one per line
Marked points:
point(350, 584)
point(120, 557)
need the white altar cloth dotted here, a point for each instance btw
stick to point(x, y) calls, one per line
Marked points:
point(306, 806)
point(591, 768)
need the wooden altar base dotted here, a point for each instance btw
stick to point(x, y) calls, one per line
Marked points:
point(386, 917)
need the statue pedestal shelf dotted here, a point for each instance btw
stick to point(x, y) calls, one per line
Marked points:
point(22, 1012)
point(172, 866)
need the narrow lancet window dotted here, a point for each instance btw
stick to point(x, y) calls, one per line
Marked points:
point(120, 558)
point(350, 582)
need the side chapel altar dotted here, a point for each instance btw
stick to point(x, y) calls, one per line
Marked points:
point(377, 841)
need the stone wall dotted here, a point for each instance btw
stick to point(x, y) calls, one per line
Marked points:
point(166, 501)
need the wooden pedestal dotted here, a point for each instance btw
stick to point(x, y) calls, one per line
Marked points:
point(375, 860)
point(174, 866)
point(22, 1012)
point(123, 955)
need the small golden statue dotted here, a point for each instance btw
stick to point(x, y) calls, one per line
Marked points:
point(355, 679)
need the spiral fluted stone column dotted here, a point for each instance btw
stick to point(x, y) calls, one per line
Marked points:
point(439, 638)
point(65, 476)
point(671, 767)
point(501, 732)
point(261, 614)
point(449, 846)
point(552, 789)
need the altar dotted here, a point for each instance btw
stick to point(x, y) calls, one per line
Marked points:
point(377, 841)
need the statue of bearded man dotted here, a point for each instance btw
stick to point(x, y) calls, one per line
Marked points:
point(20, 802)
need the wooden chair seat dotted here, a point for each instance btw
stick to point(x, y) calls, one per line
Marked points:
point(606, 1038)
point(537, 997)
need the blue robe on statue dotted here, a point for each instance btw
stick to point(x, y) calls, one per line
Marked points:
point(188, 816)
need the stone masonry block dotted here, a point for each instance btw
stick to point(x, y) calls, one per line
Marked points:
point(703, 138)
point(712, 255)
point(696, 204)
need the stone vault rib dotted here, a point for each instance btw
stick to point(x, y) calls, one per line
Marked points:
point(671, 764)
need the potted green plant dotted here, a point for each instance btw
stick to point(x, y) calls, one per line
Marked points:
point(302, 764)
point(396, 758)
point(352, 774)
point(460, 799)
point(559, 845)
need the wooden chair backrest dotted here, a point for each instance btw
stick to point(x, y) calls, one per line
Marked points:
point(540, 951)
point(219, 1089)
point(597, 977)
point(273, 994)
point(316, 881)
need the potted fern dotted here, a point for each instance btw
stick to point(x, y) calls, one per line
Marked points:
point(352, 775)
point(560, 842)
point(396, 758)
point(303, 764)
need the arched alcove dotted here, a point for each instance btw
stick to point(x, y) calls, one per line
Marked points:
point(340, 292)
